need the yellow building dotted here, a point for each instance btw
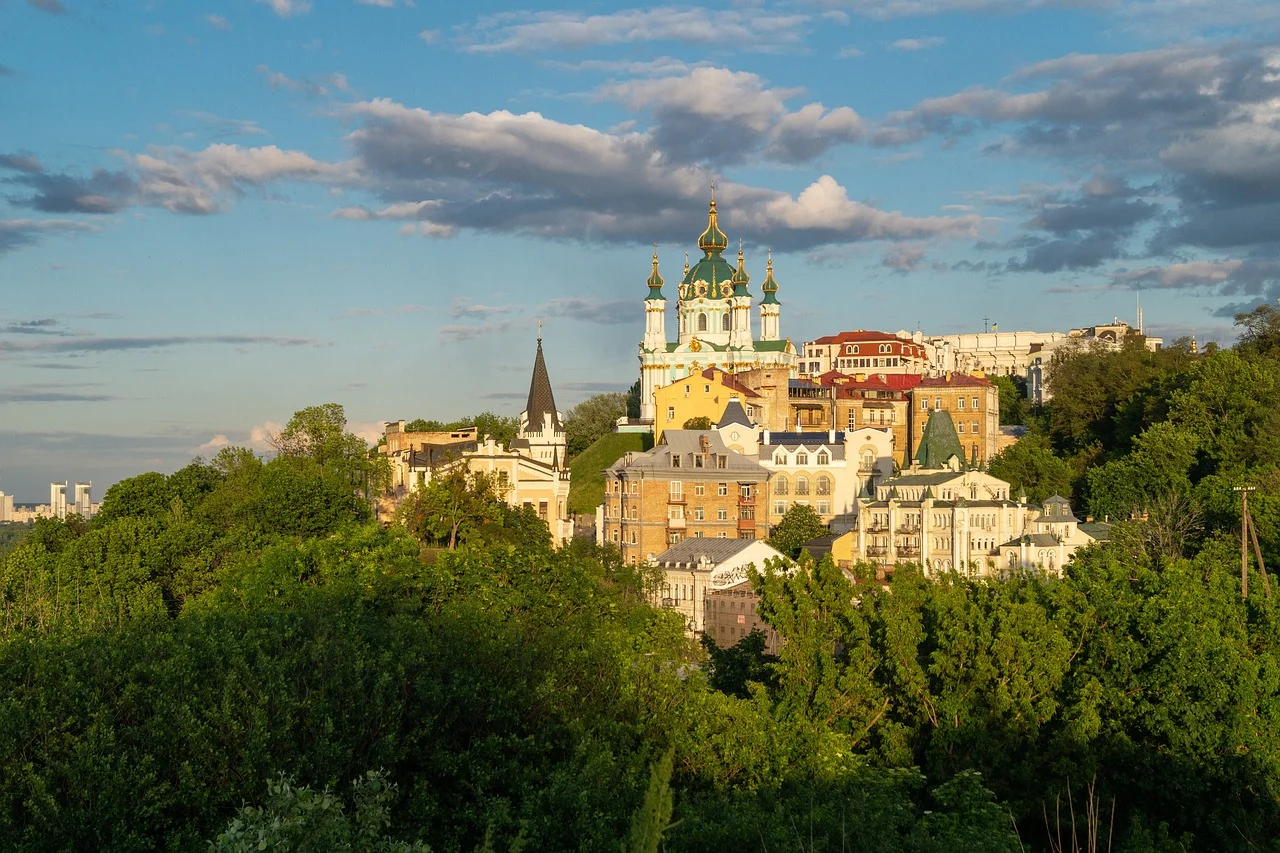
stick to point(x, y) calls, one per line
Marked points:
point(704, 394)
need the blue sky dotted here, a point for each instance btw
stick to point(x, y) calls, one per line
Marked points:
point(213, 214)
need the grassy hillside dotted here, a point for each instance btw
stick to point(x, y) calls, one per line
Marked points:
point(587, 490)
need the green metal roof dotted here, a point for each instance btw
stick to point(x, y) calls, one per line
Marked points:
point(939, 442)
point(716, 272)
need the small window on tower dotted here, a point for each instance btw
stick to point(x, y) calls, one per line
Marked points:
point(702, 322)
point(724, 323)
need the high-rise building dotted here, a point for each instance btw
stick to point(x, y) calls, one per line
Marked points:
point(83, 500)
point(58, 500)
point(6, 507)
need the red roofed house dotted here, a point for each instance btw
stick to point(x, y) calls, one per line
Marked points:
point(877, 400)
point(863, 351)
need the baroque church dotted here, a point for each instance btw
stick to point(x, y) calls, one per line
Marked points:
point(713, 312)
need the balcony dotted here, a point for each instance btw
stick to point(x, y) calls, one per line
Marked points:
point(878, 527)
point(746, 500)
point(676, 499)
point(746, 524)
point(908, 551)
point(676, 523)
point(866, 468)
point(877, 550)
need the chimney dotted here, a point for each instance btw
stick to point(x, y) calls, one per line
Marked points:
point(766, 437)
point(831, 436)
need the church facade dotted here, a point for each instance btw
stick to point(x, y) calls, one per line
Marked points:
point(713, 317)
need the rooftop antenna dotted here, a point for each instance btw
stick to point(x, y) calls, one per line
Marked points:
point(1138, 296)
point(986, 324)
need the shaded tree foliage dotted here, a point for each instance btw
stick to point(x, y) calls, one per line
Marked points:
point(593, 417)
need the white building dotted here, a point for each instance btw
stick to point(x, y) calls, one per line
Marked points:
point(694, 568)
point(995, 353)
point(6, 507)
point(826, 471)
point(83, 505)
point(58, 500)
point(713, 315)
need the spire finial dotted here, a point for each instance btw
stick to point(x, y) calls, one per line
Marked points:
point(713, 193)
point(686, 264)
point(539, 331)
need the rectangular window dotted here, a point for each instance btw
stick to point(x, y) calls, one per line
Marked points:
point(635, 488)
point(675, 460)
point(542, 510)
point(744, 490)
point(722, 461)
point(722, 535)
point(675, 512)
point(686, 390)
point(746, 534)
point(671, 413)
point(779, 507)
point(722, 514)
point(853, 419)
point(698, 513)
point(960, 428)
point(677, 490)
point(697, 461)
point(824, 507)
point(975, 427)
point(937, 402)
point(700, 489)
point(960, 404)
point(975, 404)
point(924, 404)
point(697, 534)
point(722, 489)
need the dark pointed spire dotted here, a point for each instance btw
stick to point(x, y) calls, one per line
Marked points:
point(541, 401)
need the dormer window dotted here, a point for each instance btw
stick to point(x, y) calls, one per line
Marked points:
point(780, 458)
point(802, 458)
point(824, 458)
point(675, 461)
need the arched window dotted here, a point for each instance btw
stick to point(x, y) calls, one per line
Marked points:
point(854, 350)
point(802, 458)
point(780, 485)
point(824, 458)
point(823, 485)
point(868, 460)
point(802, 485)
point(724, 322)
point(780, 459)
point(702, 322)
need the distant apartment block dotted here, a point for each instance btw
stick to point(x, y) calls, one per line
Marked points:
point(6, 507)
point(58, 500)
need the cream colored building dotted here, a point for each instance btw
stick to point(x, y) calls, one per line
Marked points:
point(995, 353)
point(531, 472)
point(825, 471)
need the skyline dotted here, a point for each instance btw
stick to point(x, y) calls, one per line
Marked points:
point(214, 216)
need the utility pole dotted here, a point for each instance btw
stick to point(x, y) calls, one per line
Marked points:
point(1249, 534)
point(986, 324)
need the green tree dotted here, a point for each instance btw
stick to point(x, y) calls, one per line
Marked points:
point(453, 508)
point(653, 818)
point(801, 524)
point(731, 670)
point(633, 400)
point(592, 418)
point(1259, 331)
point(1013, 399)
point(700, 422)
point(301, 819)
point(1030, 464)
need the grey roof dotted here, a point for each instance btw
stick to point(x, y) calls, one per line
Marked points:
point(924, 479)
point(1056, 509)
point(1035, 540)
point(820, 547)
point(804, 439)
point(541, 401)
point(694, 549)
point(734, 414)
point(1099, 530)
point(686, 443)
point(432, 456)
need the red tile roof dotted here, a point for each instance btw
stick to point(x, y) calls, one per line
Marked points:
point(859, 336)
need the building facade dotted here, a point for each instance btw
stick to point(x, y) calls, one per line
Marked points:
point(974, 405)
point(995, 353)
point(713, 319)
point(693, 569)
point(878, 400)
point(733, 612)
point(705, 394)
point(690, 486)
point(825, 471)
point(863, 351)
point(530, 472)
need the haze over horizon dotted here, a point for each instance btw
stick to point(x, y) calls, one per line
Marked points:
point(212, 215)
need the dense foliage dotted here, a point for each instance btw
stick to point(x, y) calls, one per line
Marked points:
point(213, 660)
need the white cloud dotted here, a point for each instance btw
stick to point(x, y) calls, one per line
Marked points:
point(212, 446)
point(1186, 274)
point(218, 22)
point(537, 32)
point(429, 36)
point(825, 206)
point(918, 44)
point(282, 82)
point(288, 8)
point(261, 435)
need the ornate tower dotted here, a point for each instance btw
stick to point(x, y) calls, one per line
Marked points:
point(655, 309)
point(740, 306)
point(541, 428)
point(769, 305)
point(705, 292)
